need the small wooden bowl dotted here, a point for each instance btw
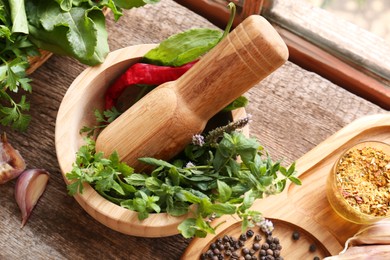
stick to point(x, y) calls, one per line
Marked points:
point(76, 110)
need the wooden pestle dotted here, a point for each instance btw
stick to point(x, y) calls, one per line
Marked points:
point(163, 122)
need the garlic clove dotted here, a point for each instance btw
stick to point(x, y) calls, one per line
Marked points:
point(376, 233)
point(377, 252)
point(11, 162)
point(29, 188)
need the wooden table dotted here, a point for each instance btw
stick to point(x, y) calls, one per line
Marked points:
point(293, 110)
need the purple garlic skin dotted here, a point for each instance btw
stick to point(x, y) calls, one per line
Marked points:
point(11, 162)
point(29, 188)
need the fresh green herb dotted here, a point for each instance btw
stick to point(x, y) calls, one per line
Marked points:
point(102, 120)
point(207, 174)
point(14, 50)
point(73, 28)
point(187, 46)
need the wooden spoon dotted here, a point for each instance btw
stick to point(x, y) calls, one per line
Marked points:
point(163, 122)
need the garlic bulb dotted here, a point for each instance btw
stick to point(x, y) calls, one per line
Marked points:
point(370, 242)
point(29, 187)
point(11, 162)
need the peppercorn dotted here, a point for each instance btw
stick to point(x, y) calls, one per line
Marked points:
point(272, 246)
point(225, 238)
point(234, 255)
point(276, 252)
point(215, 257)
point(220, 246)
point(316, 258)
point(270, 239)
point(276, 240)
point(256, 246)
point(245, 251)
point(263, 252)
point(213, 246)
point(243, 237)
point(216, 251)
point(254, 257)
point(257, 238)
point(296, 235)
point(250, 233)
point(248, 257)
point(279, 258)
point(312, 248)
point(241, 243)
point(265, 246)
point(270, 252)
point(279, 247)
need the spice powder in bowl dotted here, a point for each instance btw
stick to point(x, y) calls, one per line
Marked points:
point(358, 187)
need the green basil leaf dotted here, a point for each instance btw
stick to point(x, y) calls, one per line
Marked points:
point(224, 191)
point(136, 179)
point(184, 47)
point(19, 18)
point(188, 227)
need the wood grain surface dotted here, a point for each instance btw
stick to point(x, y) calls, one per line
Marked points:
point(293, 110)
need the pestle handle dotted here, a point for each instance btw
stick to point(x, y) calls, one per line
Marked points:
point(249, 53)
point(163, 122)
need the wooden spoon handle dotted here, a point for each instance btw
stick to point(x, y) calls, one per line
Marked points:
point(248, 54)
point(163, 122)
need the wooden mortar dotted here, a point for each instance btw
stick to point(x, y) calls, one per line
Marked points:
point(163, 122)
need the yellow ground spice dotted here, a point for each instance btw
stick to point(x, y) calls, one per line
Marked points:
point(363, 176)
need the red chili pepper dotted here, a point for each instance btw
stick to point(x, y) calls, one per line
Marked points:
point(142, 73)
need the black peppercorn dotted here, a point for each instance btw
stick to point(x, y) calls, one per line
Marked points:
point(312, 248)
point(296, 235)
point(257, 238)
point(276, 252)
point(250, 233)
point(254, 257)
point(263, 252)
point(256, 246)
point(270, 252)
point(245, 251)
point(216, 251)
point(316, 258)
point(243, 237)
point(265, 246)
point(241, 243)
point(248, 257)
point(270, 239)
point(272, 246)
point(213, 245)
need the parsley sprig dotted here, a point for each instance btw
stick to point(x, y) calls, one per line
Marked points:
point(15, 47)
point(207, 174)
